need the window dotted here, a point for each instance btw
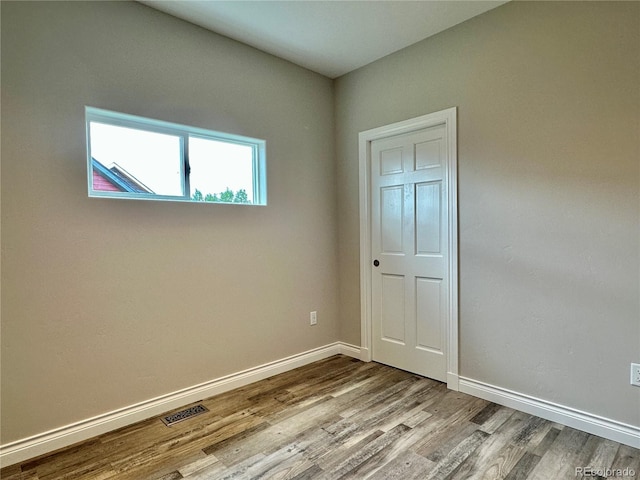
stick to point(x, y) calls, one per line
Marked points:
point(140, 158)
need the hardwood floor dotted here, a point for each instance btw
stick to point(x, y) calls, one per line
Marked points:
point(339, 418)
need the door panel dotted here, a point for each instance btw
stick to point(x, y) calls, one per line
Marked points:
point(392, 303)
point(428, 314)
point(428, 217)
point(428, 154)
point(391, 161)
point(409, 239)
point(391, 219)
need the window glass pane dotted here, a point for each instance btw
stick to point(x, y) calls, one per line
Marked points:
point(130, 160)
point(220, 171)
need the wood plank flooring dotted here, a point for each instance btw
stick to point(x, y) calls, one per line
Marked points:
point(339, 418)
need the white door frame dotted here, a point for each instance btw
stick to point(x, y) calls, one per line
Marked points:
point(448, 118)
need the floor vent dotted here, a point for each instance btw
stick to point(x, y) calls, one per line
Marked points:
point(185, 414)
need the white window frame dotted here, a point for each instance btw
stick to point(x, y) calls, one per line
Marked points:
point(108, 117)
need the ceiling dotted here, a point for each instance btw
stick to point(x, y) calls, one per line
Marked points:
point(331, 37)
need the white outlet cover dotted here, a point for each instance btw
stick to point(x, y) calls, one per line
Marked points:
point(635, 374)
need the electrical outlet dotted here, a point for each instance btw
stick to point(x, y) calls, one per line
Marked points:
point(313, 318)
point(635, 374)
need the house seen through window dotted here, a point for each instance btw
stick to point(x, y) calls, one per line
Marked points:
point(135, 157)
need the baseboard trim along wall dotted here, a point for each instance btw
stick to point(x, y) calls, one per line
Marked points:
point(587, 422)
point(46, 442)
point(52, 440)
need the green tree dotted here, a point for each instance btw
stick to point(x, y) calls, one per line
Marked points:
point(197, 196)
point(227, 196)
point(241, 196)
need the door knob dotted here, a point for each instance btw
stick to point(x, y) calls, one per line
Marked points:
point(376, 263)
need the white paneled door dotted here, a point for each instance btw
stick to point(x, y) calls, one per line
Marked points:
point(410, 251)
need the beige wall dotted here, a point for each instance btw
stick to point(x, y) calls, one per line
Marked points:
point(106, 303)
point(548, 98)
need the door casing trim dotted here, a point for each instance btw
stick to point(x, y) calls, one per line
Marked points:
point(448, 117)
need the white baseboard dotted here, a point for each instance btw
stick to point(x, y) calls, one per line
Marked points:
point(46, 442)
point(365, 354)
point(587, 422)
point(453, 381)
point(349, 350)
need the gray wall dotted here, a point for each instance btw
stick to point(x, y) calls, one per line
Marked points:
point(106, 303)
point(548, 98)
